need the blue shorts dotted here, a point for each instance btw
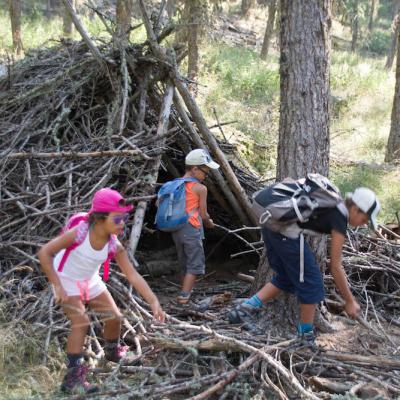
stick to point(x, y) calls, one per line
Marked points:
point(284, 258)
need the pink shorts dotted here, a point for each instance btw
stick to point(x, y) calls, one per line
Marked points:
point(86, 289)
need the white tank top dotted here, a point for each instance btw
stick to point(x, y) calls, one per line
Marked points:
point(83, 262)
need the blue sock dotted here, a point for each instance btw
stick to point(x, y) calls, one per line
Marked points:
point(304, 327)
point(254, 301)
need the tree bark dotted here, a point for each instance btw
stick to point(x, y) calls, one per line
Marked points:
point(373, 10)
point(15, 17)
point(354, 26)
point(303, 145)
point(393, 145)
point(246, 5)
point(269, 29)
point(124, 15)
point(194, 21)
point(395, 33)
point(67, 20)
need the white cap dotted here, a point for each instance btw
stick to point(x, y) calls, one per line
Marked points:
point(365, 199)
point(200, 157)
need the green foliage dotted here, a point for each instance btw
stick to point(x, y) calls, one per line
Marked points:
point(378, 42)
point(242, 74)
point(381, 179)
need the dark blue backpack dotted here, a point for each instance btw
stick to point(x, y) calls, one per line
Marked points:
point(171, 214)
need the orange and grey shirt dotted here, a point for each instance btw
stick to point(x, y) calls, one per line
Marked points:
point(192, 205)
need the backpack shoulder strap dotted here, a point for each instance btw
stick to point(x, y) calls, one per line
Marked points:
point(343, 209)
point(112, 250)
point(82, 230)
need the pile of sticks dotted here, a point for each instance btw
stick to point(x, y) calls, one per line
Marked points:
point(81, 116)
point(74, 119)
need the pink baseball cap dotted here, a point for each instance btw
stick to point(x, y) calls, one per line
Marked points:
point(109, 200)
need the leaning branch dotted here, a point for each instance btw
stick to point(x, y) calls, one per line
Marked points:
point(71, 154)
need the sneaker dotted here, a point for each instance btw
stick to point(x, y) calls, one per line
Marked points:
point(115, 353)
point(75, 381)
point(246, 315)
point(306, 339)
point(183, 298)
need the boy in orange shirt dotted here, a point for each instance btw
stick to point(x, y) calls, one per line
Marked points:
point(189, 239)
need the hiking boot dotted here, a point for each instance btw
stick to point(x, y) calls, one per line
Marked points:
point(116, 352)
point(246, 315)
point(183, 298)
point(121, 354)
point(75, 381)
point(307, 339)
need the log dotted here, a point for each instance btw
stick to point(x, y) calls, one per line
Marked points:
point(372, 361)
point(245, 277)
point(327, 385)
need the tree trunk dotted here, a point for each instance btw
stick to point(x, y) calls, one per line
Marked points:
point(124, 15)
point(372, 14)
point(195, 20)
point(354, 26)
point(67, 20)
point(304, 107)
point(395, 33)
point(15, 17)
point(171, 8)
point(304, 71)
point(393, 145)
point(246, 5)
point(269, 29)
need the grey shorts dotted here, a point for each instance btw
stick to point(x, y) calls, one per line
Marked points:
point(189, 246)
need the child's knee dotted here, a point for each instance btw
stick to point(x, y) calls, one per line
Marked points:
point(81, 322)
point(114, 317)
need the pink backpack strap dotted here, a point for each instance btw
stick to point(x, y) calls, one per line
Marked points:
point(112, 250)
point(81, 232)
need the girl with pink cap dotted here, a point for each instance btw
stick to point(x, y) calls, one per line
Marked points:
point(78, 282)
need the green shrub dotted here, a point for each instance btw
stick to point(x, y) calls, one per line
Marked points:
point(378, 42)
point(242, 75)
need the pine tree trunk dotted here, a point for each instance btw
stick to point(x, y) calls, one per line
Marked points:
point(354, 26)
point(246, 5)
point(67, 21)
point(193, 48)
point(372, 14)
point(124, 15)
point(15, 17)
point(395, 33)
point(269, 29)
point(171, 8)
point(393, 145)
point(304, 70)
point(304, 109)
point(195, 20)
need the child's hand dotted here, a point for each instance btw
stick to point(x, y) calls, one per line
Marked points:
point(352, 309)
point(60, 294)
point(210, 223)
point(157, 311)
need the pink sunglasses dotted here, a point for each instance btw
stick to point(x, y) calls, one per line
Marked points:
point(119, 218)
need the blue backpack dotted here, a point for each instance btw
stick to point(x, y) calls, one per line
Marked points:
point(171, 214)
